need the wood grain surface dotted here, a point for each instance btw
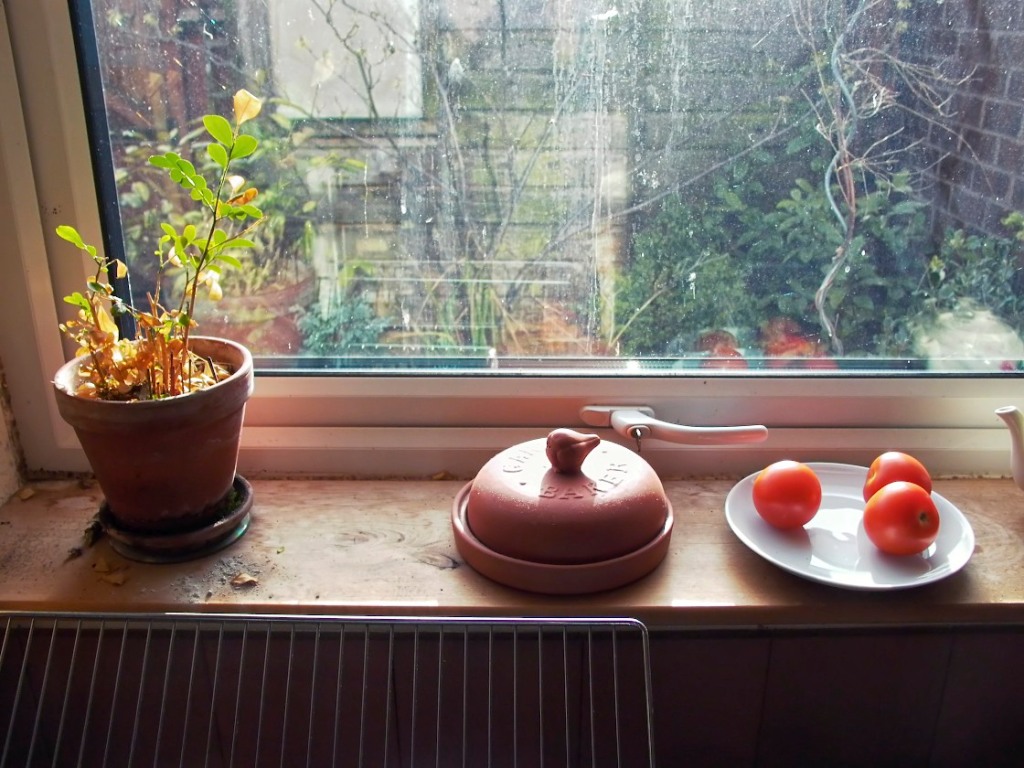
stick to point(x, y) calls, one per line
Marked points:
point(374, 547)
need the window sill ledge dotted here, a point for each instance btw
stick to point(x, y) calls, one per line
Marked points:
point(386, 548)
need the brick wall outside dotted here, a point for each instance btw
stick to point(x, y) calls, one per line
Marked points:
point(560, 124)
point(978, 150)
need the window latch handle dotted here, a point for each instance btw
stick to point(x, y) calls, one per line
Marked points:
point(637, 421)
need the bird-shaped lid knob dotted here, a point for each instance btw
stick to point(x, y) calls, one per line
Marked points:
point(566, 449)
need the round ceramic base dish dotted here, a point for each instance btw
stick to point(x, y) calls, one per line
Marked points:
point(187, 545)
point(556, 579)
point(833, 547)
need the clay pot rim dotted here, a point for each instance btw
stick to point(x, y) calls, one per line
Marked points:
point(245, 364)
point(556, 578)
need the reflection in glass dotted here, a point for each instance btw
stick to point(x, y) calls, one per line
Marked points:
point(776, 185)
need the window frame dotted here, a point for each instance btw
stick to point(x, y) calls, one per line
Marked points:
point(410, 424)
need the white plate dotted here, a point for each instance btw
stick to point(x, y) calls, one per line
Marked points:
point(833, 548)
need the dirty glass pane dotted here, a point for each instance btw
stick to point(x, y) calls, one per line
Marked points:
point(762, 185)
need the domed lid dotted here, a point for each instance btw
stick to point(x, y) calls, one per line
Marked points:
point(568, 499)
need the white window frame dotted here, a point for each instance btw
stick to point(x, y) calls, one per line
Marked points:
point(417, 425)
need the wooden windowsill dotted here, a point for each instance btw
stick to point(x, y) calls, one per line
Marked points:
point(386, 548)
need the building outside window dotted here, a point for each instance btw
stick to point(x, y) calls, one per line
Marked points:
point(484, 215)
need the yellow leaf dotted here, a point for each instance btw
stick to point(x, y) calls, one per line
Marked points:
point(244, 580)
point(246, 197)
point(247, 106)
point(118, 578)
point(122, 269)
point(106, 322)
point(216, 292)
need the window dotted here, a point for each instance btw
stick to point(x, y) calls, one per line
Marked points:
point(487, 215)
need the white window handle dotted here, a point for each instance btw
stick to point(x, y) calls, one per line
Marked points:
point(637, 422)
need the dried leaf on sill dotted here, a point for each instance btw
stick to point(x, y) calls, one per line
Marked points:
point(117, 578)
point(244, 581)
point(93, 532)
point(110, 573)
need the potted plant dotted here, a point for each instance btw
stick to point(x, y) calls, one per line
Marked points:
point(259, 308)
point(278, 282)
point(159, 414)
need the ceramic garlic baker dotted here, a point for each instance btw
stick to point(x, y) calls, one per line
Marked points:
point(568, 514)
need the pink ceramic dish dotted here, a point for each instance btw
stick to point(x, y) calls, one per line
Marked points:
point(550, 579)
point(565, 515)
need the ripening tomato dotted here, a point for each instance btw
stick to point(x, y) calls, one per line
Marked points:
point(725, 358)
point(901, 518)
point(892, 466)
point(787, 494)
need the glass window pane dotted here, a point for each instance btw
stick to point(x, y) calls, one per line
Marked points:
point(766, 186)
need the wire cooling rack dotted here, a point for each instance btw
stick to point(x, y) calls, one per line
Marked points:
point(212, 691)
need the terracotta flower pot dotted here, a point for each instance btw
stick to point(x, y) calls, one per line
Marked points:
point(164, 465)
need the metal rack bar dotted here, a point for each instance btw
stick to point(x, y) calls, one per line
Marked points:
point(231, 690)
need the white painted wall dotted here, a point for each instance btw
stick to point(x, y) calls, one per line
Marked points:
point(10, 479)
point(364, 63)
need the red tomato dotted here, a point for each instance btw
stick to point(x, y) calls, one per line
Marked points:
point(892, 466)
point(821, 364)
point(901, 518)
point(724, 358)
point(787, 494)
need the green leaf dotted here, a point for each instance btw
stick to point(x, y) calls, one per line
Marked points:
point(167, 160)
point(238, 242)
point(179, 250)
point(76, 299)
point(96, 286)
point(244, 146)
point(218, 154)
point(732, 200)
point(906, 207)
point(219, 128)
point(71, 235)
point(231, 261)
